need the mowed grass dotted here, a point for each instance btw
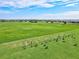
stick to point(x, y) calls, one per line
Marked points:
point(56, 49)
point(11, 31)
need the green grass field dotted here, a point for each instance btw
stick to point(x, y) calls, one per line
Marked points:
point(21, 40)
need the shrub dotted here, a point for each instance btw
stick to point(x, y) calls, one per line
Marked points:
point(63, 38)
point(63, 41)
point(56, 39)
point(75, 44)
point(46, 47)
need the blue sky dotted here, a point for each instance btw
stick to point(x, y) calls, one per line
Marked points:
point(39, 9)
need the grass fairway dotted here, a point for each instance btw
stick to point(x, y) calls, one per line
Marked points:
point(21, 40)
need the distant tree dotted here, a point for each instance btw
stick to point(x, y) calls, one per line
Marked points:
point(64, 22)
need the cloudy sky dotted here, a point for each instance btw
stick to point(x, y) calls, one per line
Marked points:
point(39, 9)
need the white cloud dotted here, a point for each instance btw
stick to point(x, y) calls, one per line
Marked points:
point(73, 4)
point(7, 3)
point(65, 2)
point(46, 5)
point(27, 3)
point(71, 14)
point(64, 15)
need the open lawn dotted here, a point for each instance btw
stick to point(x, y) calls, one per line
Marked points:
point(21, 40)
point(11, 31)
